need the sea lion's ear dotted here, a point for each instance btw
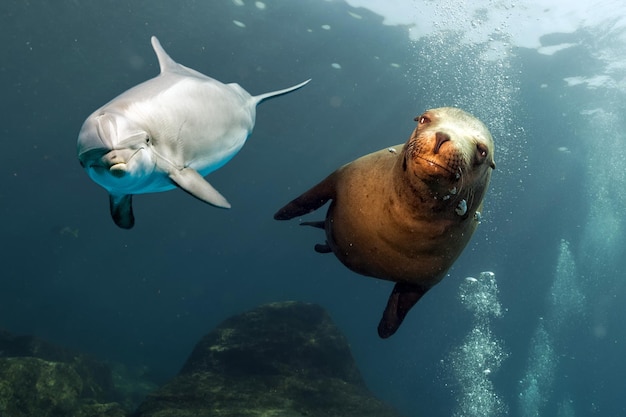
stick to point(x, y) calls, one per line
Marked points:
point(402, 299)
point(492, 165)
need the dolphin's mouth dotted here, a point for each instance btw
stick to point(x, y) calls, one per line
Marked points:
point(92, 158)
point(118, 170)
point(114, 162)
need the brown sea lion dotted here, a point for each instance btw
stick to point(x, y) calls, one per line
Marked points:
point(405, 213)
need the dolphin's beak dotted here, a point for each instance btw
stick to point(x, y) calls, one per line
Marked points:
point(105, 144)
point(116, 161)
point(92, 145)
point(91, 157)
point(118, 170)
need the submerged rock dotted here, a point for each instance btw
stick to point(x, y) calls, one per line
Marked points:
point(35, 387)
point(282, 359)
point(95, 375)
point(38, 378)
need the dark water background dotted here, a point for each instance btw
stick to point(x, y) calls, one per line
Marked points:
point(144, 297)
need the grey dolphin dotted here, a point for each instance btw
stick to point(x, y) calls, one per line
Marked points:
point(167, 132)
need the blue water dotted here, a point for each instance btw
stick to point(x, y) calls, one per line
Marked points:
point(552, 232)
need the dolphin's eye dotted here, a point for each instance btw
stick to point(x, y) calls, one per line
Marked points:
point(147, 139)
point(422, 119)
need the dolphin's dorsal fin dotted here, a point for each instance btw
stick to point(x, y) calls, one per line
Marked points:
point(165, 62)
point(271, 94)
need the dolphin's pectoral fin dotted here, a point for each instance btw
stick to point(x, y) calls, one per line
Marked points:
point(310, 201)
point(402, 299)
point(191, 181)
point(122, 210)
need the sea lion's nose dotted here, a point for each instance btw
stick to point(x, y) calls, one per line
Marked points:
point(440, 138)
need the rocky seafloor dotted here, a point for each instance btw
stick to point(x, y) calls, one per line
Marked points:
point(281, 360)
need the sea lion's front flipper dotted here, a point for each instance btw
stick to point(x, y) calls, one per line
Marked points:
point(310, 201)
point(121, 206)
point(402, 298)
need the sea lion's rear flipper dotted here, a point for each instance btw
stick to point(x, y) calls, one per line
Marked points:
point(319, 224)
point(320, 247)
point(310, 201)
point(402, 298)
point(323, 248)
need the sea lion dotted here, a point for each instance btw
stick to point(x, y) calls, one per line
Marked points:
point(405, 213)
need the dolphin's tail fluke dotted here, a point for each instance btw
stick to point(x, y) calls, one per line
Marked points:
point(262, 97)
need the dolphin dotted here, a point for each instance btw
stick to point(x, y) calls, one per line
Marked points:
point(167, 132)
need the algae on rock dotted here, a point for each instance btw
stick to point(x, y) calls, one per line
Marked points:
point(35, 387)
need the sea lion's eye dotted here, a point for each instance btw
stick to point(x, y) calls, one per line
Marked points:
point(147, 139)
point(422, 119)
point(481, 152)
